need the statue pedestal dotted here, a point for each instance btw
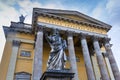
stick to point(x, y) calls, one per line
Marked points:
point(57, 75)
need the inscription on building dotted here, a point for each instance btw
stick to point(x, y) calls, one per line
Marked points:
point(71, 25)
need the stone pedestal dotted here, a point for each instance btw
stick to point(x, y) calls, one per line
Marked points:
point(57, 75)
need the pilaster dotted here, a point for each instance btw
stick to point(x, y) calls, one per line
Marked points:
point(38, 55)
point(11, 68)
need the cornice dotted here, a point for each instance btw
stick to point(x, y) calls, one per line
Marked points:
point(17, 27)
point(72, 20)
point(51, 12)
point(74, 32)
point(21, 27)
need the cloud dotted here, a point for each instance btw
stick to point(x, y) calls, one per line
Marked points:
point(8, 14)
point(113, 8)
point(27, 6)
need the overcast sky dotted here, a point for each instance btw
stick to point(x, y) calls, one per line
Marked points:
point(107, 11)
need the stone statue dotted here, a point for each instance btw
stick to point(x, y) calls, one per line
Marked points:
point(21, 19)
point(57, 57)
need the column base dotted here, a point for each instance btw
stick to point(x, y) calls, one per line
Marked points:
point(57, 75)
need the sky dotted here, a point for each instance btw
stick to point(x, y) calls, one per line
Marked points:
point(107, 11)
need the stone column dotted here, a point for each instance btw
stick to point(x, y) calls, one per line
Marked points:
point(108, 66)
point(38, 55)
point(112, 61)
point(72, 57)
point(88, 65)
point(101, 63)
point(11, 68)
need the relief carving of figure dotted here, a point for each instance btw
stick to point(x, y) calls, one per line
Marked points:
point(57, 57)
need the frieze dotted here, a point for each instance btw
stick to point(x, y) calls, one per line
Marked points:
point(66, 12)
point(71, 25)
point(48, 26)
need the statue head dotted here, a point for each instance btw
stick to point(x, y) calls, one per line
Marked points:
point(55, 32)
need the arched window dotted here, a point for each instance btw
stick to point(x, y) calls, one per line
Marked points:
point(22, 76)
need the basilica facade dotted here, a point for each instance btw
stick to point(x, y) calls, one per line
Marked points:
point(88, 52)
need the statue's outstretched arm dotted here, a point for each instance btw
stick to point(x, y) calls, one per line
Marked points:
point(48, 38)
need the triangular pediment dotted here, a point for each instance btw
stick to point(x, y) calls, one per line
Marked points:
point(75, 15)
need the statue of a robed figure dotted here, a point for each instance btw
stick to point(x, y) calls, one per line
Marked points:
point(57, 56)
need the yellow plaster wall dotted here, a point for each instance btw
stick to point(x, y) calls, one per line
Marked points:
point(25, 36)
point(80, 65)
point(5, 60)
point(71, 25)
point(25, 64)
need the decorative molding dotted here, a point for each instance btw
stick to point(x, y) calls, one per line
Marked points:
point(22, 75)
point(18, 27)
point(40, 28)
point(53, 11)
point(49, 26)
point(69, 33)
point(106, 40)
point(71, 25)
point(82, 35)
point(70, 20)
point(95, 38)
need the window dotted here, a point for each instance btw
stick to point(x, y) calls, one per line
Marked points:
point(25, 53)
point(22, 76)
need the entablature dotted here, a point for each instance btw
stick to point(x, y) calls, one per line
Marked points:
point(58, 14)
point(18, 27)
point(73, 25)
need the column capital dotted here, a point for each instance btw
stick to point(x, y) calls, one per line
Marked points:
point(70, 33)
point(40, 28)
point(95, 38)
point(16, 43)
point(106, 40)
point(82, 35)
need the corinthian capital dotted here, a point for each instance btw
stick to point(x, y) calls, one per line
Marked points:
point(106, 40)
point(82, 35)
point(40, 28)
point(95, 38)
point(69, 33)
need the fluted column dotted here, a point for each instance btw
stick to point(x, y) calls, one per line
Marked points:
point(38, 55)
point(112, 61)
point(13, 58)
point(88, 65)
point(101, 63)
point(72, 56)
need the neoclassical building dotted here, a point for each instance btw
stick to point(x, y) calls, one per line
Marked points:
point(89, 53)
